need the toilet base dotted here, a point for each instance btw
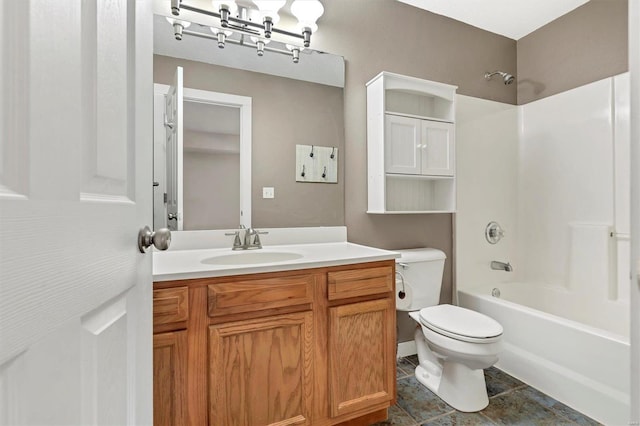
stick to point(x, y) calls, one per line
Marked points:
point(457, 385)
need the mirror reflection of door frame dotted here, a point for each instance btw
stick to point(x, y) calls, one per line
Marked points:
point(243, 103)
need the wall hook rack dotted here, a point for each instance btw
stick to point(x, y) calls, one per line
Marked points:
point(318, 163)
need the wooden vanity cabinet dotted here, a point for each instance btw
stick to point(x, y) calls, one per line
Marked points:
point(170, 313)
point(309, 347)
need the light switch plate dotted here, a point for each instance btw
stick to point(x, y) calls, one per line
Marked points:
point(268, 192)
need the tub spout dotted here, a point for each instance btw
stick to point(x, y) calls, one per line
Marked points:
point(501, 266)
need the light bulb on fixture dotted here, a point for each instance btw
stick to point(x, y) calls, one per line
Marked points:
point(222, 36)
point(260, 44)
point(225, 8)
point(269, 11)
point(175, 7)
point(307, 12)
point(178, 26)
point(295, 52)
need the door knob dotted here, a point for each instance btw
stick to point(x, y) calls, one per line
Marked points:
point(172, 216)
point(161, 239)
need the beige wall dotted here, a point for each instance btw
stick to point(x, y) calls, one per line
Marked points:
point(583, 46)
point(386, 35)
point(285, 112)
point(211, 190)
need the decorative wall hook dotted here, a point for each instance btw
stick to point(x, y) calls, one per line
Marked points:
point(314, 163)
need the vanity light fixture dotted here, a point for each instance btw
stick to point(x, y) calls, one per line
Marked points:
point(235, 19)
point(295, 53)
point(221, 35)
point(260, 44)
point(178, 27)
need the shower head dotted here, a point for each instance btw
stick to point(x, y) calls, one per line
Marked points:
point(506, 77)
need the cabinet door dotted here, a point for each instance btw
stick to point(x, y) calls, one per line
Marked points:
point(170, 378)
point(361, 355)
point(261, 371)
point(402, 145)
point(438, 148)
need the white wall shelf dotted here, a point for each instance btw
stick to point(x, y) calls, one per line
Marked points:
point(410, 145)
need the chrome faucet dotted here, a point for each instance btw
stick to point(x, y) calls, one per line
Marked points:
point(501, 266)
point(250, 241)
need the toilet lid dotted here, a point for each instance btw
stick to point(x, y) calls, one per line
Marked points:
point(457, 322)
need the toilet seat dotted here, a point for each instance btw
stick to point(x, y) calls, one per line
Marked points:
point(461, 324)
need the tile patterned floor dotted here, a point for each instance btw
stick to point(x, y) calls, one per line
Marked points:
point(511, 402)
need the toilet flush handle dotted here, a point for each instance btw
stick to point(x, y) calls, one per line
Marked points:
point(403, 265)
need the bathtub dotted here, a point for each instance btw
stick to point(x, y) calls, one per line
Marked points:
point(585, 366)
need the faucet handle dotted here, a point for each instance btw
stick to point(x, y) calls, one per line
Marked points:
point(237, 244)
point(256, 243)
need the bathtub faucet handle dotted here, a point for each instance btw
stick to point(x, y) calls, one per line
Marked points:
point(501, 266)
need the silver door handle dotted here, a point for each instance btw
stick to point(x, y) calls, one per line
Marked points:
point(172, 216)
point(161, 239)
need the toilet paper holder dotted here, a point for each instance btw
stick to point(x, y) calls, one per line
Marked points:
point(401, 293)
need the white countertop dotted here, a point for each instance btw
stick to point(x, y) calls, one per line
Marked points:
point(187, 264)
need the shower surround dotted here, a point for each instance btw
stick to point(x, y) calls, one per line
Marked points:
point(554, 174)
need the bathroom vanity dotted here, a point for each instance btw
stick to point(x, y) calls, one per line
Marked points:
point(309, 340)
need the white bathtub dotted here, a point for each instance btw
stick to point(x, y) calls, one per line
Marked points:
point(583, 366)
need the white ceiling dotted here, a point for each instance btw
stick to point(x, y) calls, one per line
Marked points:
point(510, 18)
point(210, 118)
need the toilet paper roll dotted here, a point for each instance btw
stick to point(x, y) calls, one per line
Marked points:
point(405, 302)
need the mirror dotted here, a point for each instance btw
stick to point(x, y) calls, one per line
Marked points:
point(202, 158)
point(211, 175)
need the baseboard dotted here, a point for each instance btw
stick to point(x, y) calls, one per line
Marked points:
point(406, 349)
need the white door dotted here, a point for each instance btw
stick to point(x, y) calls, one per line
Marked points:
point(438, 158)
point(174, 143)
point(75, 188)
point(402, 145)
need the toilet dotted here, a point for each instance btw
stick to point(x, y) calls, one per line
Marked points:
point(454, 344)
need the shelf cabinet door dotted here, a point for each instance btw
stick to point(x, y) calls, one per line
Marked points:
point(437, 148)
point(261, 371)
point(402, 145)
point(361, 355)
point(170, 378)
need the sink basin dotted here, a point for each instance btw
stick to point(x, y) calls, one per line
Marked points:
point(251, 258)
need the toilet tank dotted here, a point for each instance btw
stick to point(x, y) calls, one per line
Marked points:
point(422, 270)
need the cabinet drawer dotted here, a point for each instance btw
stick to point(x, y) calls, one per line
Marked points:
point(261, 294)
point(359, 282)
point(170, 305)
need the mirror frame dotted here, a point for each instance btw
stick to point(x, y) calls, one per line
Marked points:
point(243, 104)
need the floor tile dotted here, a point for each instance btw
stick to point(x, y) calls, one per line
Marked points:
point(515, 408)
point(499, 382)
point(457, 418)
point(498, 374)
point(404, 368)
point(397, 417)
point(418, 401)
point(511, 402)
point(558, 407)
point(413, 359)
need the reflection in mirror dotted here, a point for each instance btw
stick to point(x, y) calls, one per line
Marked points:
point(211, 176)
point(209, 170)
